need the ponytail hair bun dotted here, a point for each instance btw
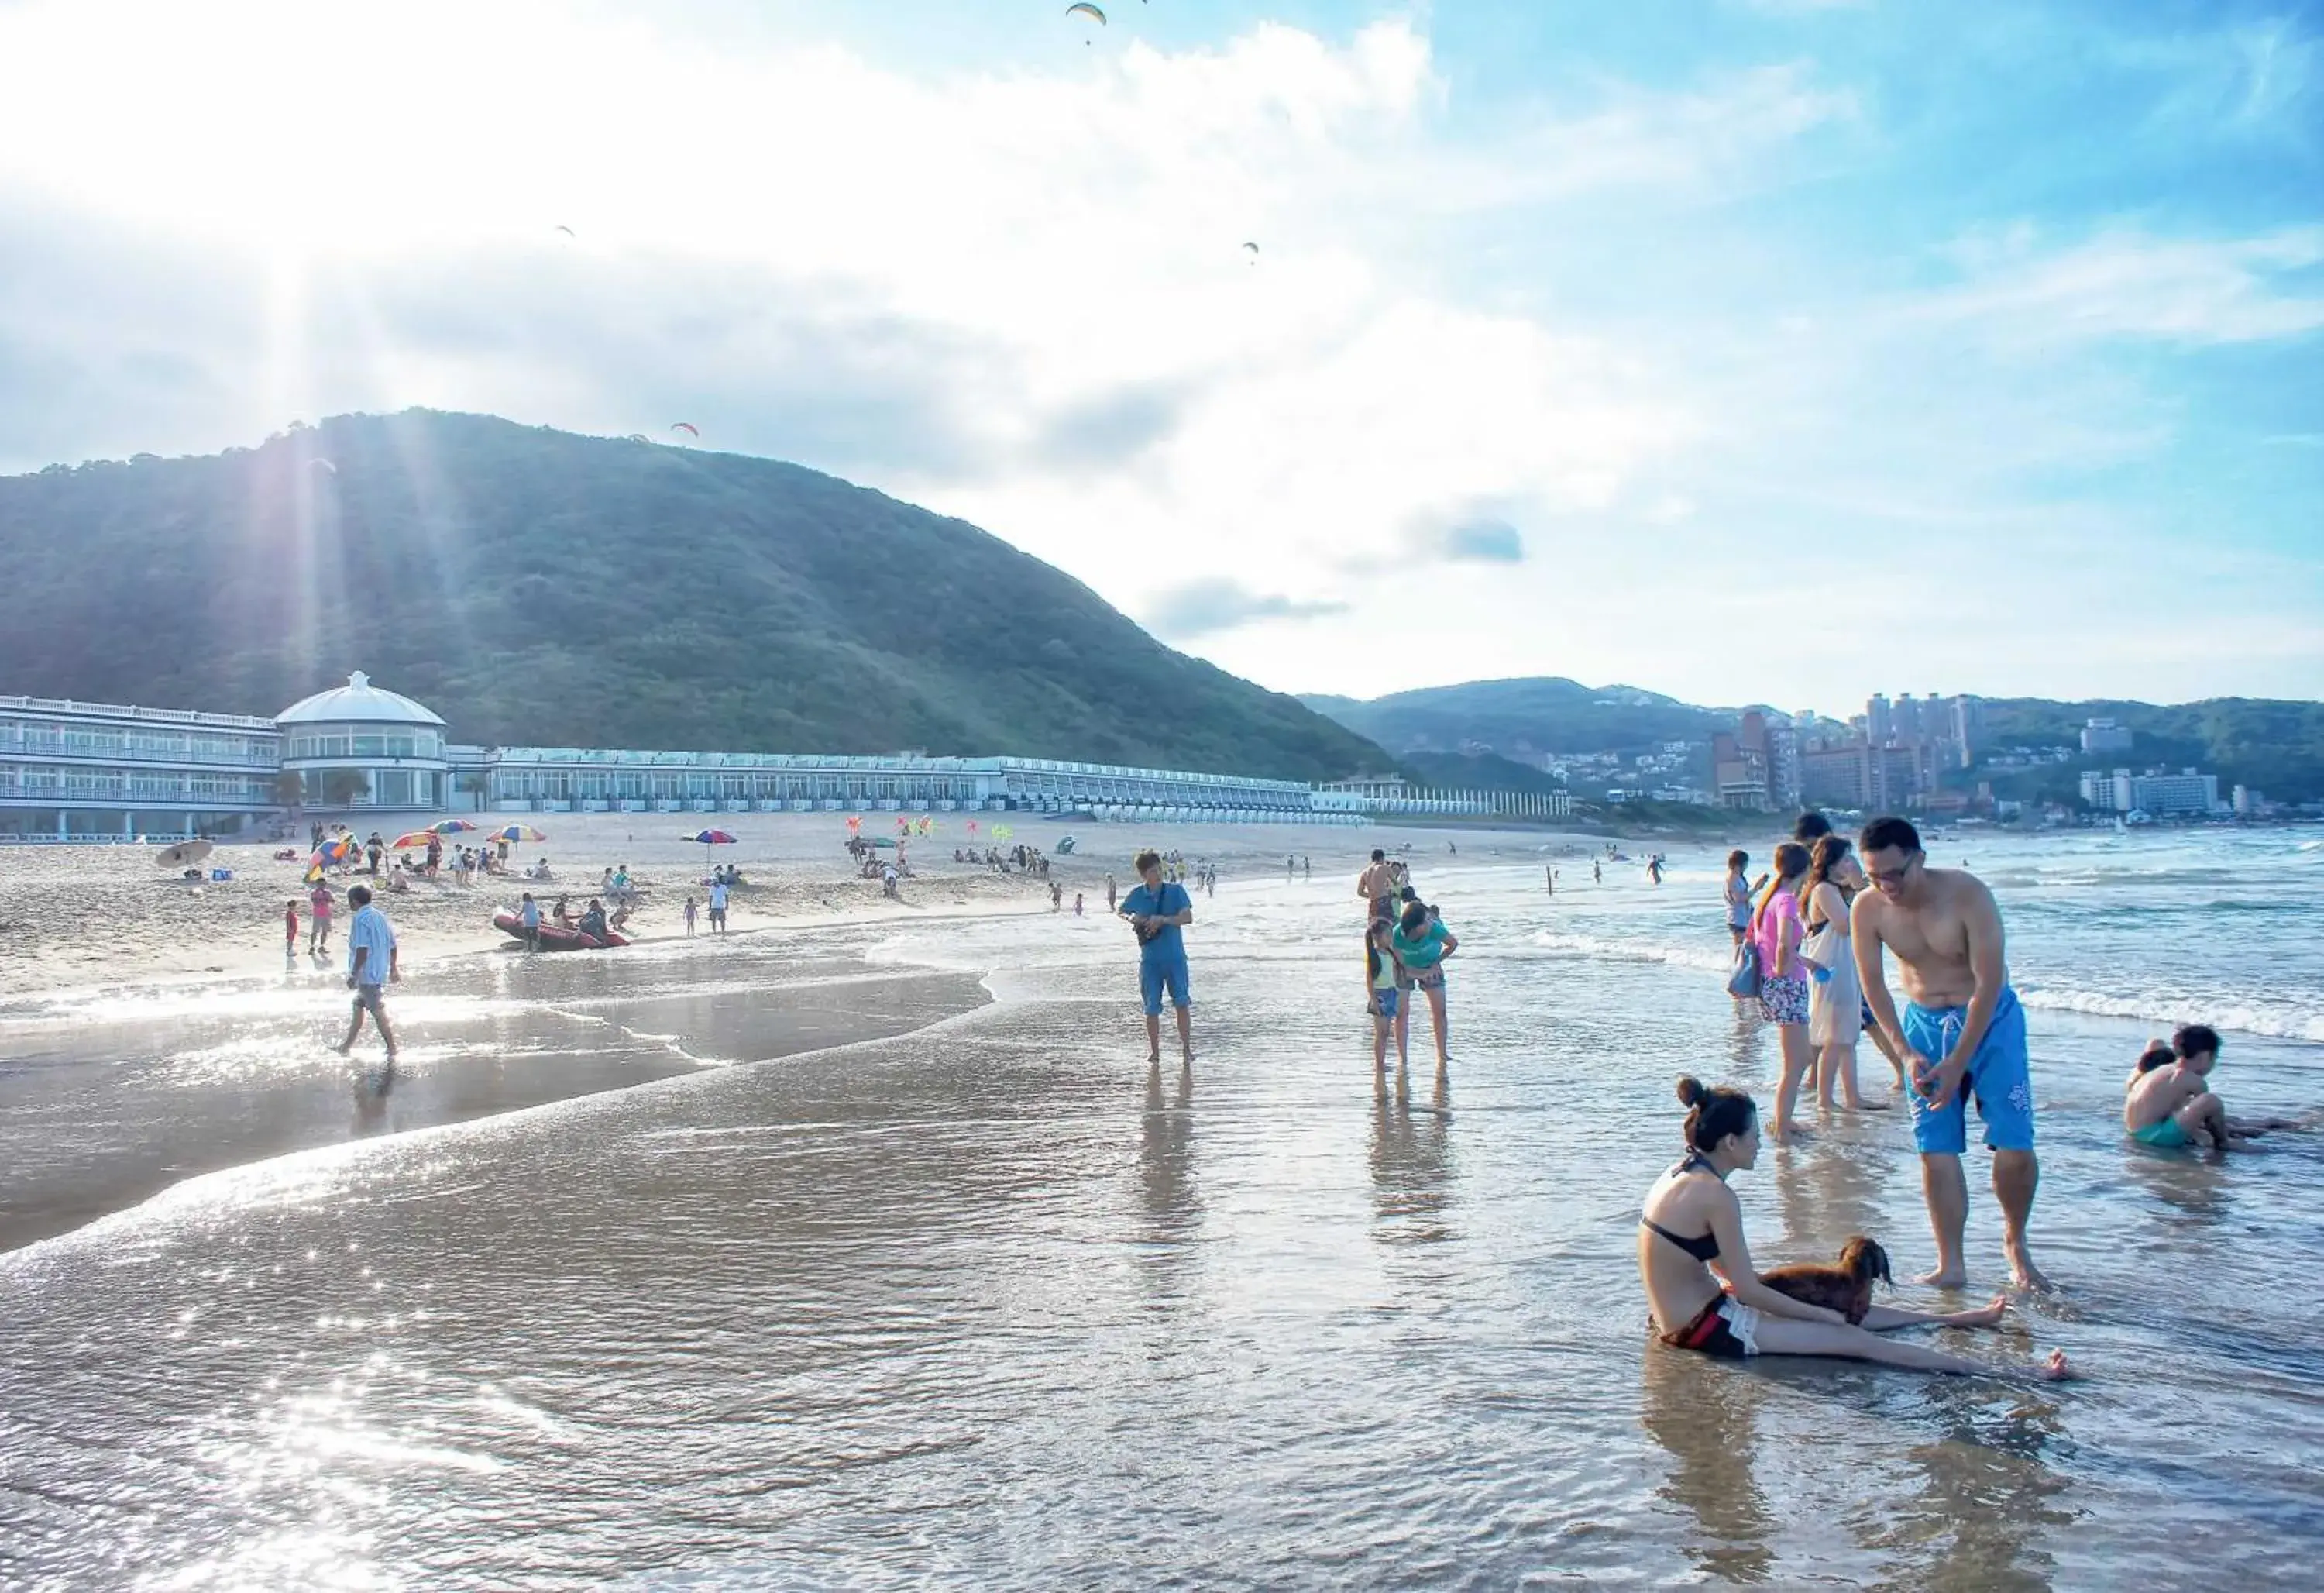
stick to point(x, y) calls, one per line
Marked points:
point(1714, 1113)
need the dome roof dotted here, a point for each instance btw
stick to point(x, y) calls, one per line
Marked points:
point(357, 703)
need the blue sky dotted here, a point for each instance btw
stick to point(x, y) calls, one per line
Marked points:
point(1742, 349)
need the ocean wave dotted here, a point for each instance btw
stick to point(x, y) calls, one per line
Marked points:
point(1712, 959)
point(2276, 1021)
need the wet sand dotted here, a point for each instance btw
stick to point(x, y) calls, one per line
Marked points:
point(82, 916)
point(108, 1106)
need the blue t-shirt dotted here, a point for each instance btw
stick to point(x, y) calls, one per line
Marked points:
point(1149, 903)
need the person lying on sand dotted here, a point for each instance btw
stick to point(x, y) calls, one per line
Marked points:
point(2168, 1101)
point(1705, 1294)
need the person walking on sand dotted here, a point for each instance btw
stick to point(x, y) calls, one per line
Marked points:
point(1962, 1034)
point(319, 920)
point(291, 932)
point(1111, 901)
point(1597, 872)
point(1157, 913)
point(373, 964)
point(690, 916)
point(1706, 1295)
point(1077, 903)
point(718, 905)
point(1057, 898)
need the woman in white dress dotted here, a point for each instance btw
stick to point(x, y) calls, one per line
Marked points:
point(1835, 997)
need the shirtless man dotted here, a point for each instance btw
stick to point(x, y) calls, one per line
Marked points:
point(1377, 885)
point(1962, 1034)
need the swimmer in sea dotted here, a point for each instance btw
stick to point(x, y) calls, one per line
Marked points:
point(2168, 1103)
point(1705, 1294)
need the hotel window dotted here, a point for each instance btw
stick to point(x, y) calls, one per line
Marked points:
point(392, 788)
point(370, 746)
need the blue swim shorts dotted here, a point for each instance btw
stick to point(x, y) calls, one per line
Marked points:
point(1385, 1000)
point(1154, 973)
point(1997, 1076)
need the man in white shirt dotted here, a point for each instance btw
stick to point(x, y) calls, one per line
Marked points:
point(718, 905)
point(372, 965)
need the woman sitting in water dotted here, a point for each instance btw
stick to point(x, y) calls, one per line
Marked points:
point(1699, 1282)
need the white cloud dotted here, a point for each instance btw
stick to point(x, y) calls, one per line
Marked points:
point(2125, 284)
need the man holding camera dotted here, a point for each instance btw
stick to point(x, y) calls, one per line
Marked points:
point(1158, 912)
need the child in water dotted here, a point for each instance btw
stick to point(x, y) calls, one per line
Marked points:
point(2168, 1103)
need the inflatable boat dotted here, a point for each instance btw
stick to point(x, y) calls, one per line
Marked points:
point(554, 938)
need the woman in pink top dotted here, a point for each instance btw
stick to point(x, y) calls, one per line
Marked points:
point(1776, 931)
point(318, 903)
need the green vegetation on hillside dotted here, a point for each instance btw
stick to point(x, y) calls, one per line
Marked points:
point(2275, 746)
point(1548, 714)
point(537, 588)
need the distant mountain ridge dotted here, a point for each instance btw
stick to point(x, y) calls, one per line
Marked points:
point(2273, 744)
point(538, 587)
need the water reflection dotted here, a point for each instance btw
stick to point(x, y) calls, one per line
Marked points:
point(1706, 1417)
point(1987, 1498)
point(1167, 1195)
point(372, 1085)
point(1411, 1159)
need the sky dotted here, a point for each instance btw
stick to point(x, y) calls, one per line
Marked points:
point(1776, 350)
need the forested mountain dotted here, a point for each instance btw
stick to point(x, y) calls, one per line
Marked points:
point(1542, 714)
point(537, 588)
point(2277, 746)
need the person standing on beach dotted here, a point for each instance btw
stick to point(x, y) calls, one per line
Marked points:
point(1778, 932)
point(372, 965)
point(1377, 885)
point(1421, 943)
point(1111, 901)
point(1157, 913)
point(291, 932)
point(1597, 872)
point(319, 920)
point(1835, 1000)
point(690, 916)
point(718, 904)
point(527, 918)
point(1962, 1034)
point(1739, 896)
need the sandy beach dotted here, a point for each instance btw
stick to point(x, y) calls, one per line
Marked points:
point(74, 916)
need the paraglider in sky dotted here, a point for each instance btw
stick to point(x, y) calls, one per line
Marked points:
point(323, 465)
point(640, 436)
point(1250, 253)
point(1089, 11)
point(568, 231)
point(688, 427)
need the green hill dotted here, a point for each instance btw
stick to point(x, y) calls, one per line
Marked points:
point(2276, 746)
point(1543, 715)
point(537, 588)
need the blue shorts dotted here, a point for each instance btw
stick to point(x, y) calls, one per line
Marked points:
point(1154, 973)
point(1997, 1076)
point(1384, 1000)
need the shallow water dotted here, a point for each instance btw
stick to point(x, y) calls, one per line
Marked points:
point(989, 1304)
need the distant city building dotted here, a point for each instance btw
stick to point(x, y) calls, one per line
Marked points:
point(2104, 735)
point(1879, 722)
point(2156, 793)
point(1968, 728)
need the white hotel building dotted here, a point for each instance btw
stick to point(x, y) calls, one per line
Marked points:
point(100, 772)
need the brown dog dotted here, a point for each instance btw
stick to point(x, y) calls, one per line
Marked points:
point(1845, 1288)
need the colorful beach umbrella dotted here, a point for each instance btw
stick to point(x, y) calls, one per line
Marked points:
point(451, 827)
point(330, 854)
point(515, 833)
point(417, 838)
point(712, 838)
point(854, 822)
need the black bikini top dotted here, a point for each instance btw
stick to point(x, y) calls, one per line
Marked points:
point(1704, 1247)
